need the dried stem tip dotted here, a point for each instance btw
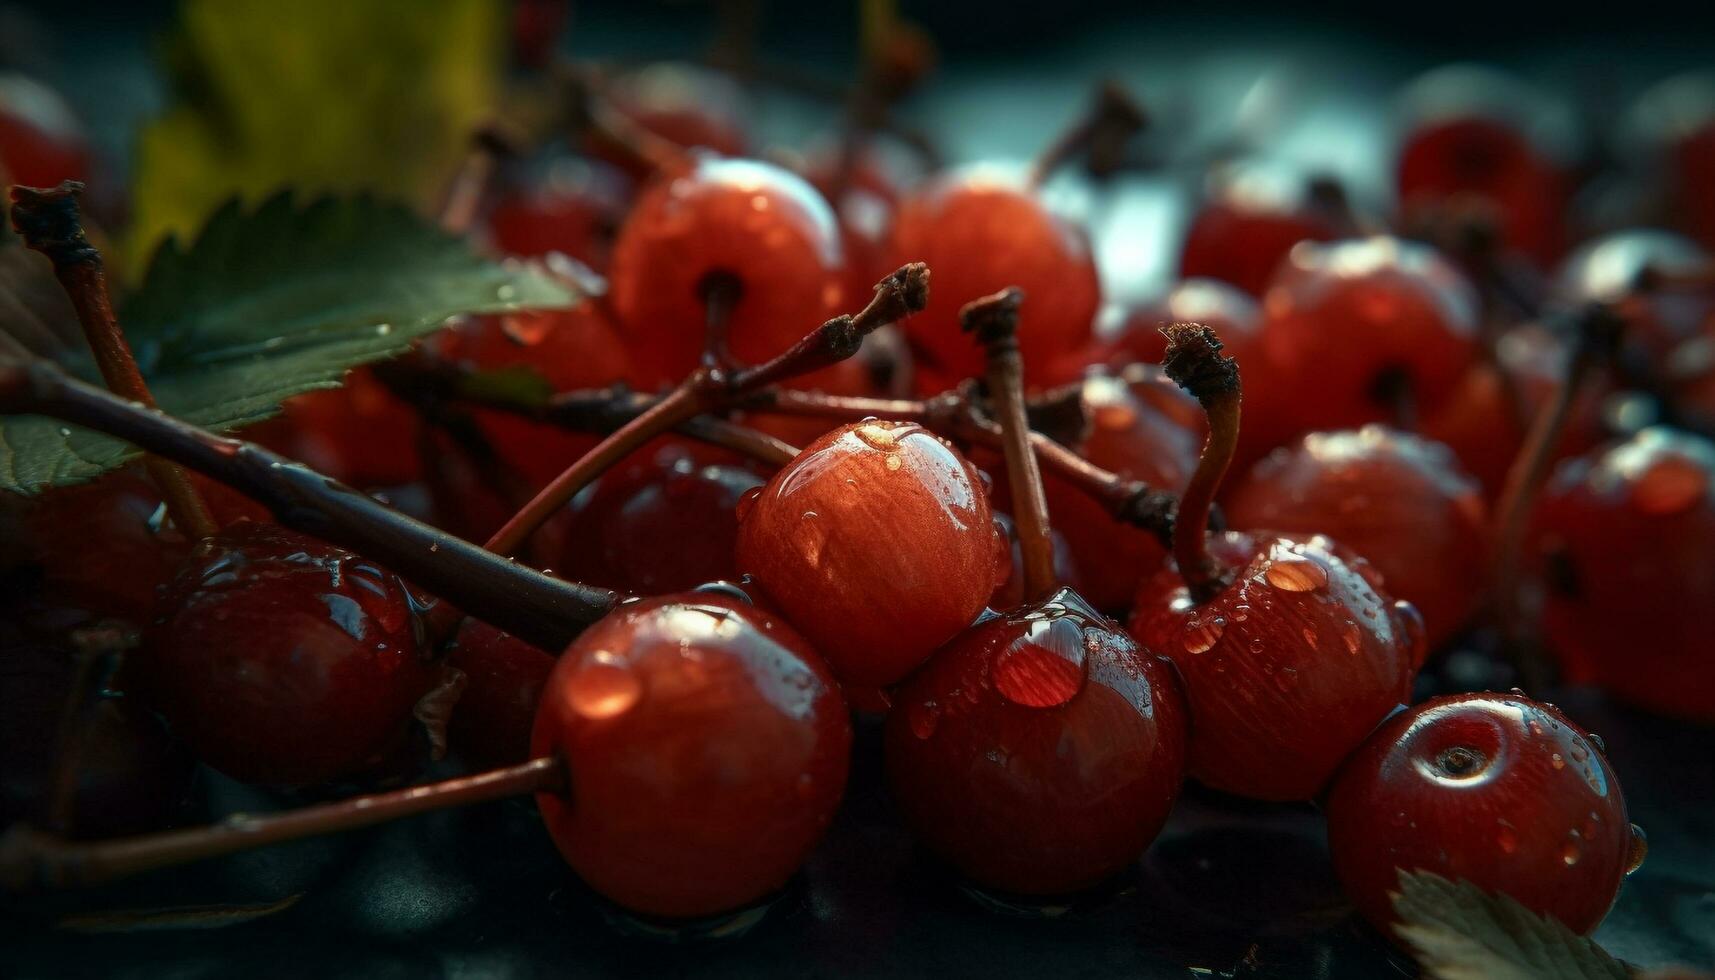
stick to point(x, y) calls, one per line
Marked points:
point(993, 318)
point(1194, 361)
point(905, 291)
point(49, 221)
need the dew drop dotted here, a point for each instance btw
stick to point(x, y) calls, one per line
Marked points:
point(602, 689)
point(1044, 667)
point(1670, 485)
point(1352, 636)
point(1294, 573)
point(1570, 854)
point(746, 501)
point(1202, 634)
point(1310, 637)
point(1556, 761)
point(1639, 851)
point(877, 435)
point(923, 718)
point(892, 463)
point(1241, 613)
point(1507, 838)
point(1596, 740)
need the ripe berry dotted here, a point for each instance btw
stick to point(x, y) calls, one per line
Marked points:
point(1253, 213)
point(360, 434)
point(41, 142)
point(1495, 789)
point(980, 232)
point(665, 521)
point(1627, 533)
point(684, 105)
point(1675, 123)
point(1610, 269)
point(1468, 146)
point(1133, 333)
point(504, 678)
point(865, 199)
point(1398, 499)
point(752, 225)
point(876, 542)
point(283, 661)
point(1373, 321)
point(575, 209)
point(1040, 751)
point(706, 747)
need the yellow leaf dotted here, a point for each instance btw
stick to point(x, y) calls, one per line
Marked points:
point(322, 95)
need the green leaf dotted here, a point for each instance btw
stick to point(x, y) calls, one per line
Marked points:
point(323, 95)
point(1457, 931)
point(272, 303)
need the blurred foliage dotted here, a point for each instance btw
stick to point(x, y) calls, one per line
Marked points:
point(318, 95)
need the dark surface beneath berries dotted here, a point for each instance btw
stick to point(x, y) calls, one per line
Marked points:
point(1236, 889)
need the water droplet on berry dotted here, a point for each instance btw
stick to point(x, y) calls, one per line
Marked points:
point(923, 718)
point(1202, 634)
point(602, 689)
point(892, 463)
point(1044, 667)
point(1570, 854)
point(1507, 838)
point(877, 435)
point(746, 501)
point(1596, 740)
point(1310, 637)
point(1669, 486)
point(1352, 636)
point(1639, 851)
point(1295, 573)
point(1556, 761)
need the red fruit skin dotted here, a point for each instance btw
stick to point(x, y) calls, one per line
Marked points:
point(665, 523)
point(283, 661)
point(877, 543)
point(1040, 751)
point(752, 220)
point(1468, 156)
point(1288, 668)
point(576, 210)
point(1397, 499)
point(1485, 427)
point(1345, 313)
point(980, 233)
point(1627, 532)
point(1133, 333)
point(1254, 214)
point(571, 349)
point(707, 748)
point(504, 678)
point(360, 434)
point(685, 105)
point(41, 142)
point(1540, 817)
point(1608, 270)
point(1132, 438)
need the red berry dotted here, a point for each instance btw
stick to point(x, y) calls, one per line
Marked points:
point(1498, 790)
point(1397, 499)
point(981, 233)
point(41, 142)
point(1288, 667)
point(1468, 145)
point(707, 748)
point(1133, 333)
point(576, 209)
point(1360, 316)
point(1675, 123)
point(1628, 532)
point(1040, 751)
point(1610, 269)
point(665, 521)
point(360, 434)
point(877, 543)
point(504, 678)
point(684, 105)
point(284, 661)
point(866, 200)
point(754, 222)
point(1254, 213)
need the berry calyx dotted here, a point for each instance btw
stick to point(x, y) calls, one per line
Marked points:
point(1496, 789)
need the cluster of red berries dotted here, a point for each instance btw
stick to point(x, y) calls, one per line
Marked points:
point(1032, 742)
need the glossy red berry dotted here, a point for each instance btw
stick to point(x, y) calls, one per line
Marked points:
point(707, 750)
point(1040, 751)
point(1498, 790)
point(504, 678)
point(41, 142)
point(575, 209)
point(1126, 333)
point(284, 661)
point(1469, 145)
point(981, 232)
point(755, 224)
point(877, 543)
point(1372, 320)
point(665, 521)
point(1288, 667)
point(1399, 500)
point(1626, 533)
point(1611, 269)
point(1253, 213)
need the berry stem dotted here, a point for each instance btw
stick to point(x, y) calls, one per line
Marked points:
point(721, 292)
point(31, 859)
point(994, 321)
point(538, 608)
point(1100, 135)
point(50, 223)
point(1597, 337)
point(900, 294)
point(1194, 361)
